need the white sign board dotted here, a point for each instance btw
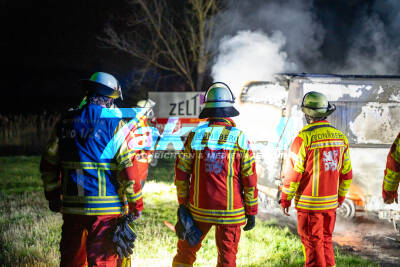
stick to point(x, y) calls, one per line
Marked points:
point(177, 104)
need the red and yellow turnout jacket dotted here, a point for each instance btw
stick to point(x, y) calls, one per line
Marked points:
point(319, 170)
point(215, 174)
point(392, 171)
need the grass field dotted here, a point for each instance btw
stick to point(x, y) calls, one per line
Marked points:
point(30, 233)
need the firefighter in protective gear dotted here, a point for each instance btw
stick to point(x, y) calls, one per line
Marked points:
point(88, 176)
point(392, 174)
point(318, 176)
point(144, 135)
point(215, 177)
point(148, 104)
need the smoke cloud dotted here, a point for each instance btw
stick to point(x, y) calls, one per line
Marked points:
point(254, 55)
point(255, 39)
point(375, 45)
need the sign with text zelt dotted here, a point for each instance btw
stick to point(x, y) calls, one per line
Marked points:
point(177, 104)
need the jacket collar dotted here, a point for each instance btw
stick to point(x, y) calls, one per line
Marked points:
point(222, 121)
point(317, 123)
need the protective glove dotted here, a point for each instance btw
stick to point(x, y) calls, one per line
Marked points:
point(285, 204)
point(124, 236)
point(390, 200)
point(341, 200)
point(137, 215)
point(389, 197)
point(185, 228)
point(251, 222)
point(179, 229)
point(55, 205)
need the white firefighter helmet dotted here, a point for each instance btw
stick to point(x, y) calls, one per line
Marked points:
point(104, 84)
point(146, 103)
point(219, 101)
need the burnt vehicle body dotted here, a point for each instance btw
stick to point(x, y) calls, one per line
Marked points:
point(368, 113)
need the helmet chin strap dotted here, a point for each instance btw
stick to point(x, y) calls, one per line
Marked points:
point(308, 119)
point(311, 119)
point(109, 103)
point(100, 100)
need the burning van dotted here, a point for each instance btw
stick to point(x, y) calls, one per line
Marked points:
point(368, 113)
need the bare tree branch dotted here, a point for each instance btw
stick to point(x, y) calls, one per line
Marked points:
point(167, 39)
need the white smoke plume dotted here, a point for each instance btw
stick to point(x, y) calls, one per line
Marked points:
point(256, 39)
point(307, 42)
point(249, 56)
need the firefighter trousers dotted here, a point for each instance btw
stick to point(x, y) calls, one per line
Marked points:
point(315, 230)
point(226, 237)
point(87, 241)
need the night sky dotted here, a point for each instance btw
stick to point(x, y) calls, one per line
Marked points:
point(48, 46)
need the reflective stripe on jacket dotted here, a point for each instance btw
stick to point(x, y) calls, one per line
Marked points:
point(216, 174)
point(319, 168)
point(392, 171)
point(83, 161)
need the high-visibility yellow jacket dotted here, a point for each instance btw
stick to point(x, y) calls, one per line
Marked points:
point(319, 169)
point(216, 174)
point(392, 171)
point(89, 164)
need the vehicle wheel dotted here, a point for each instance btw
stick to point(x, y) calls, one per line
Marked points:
point(347, 210)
